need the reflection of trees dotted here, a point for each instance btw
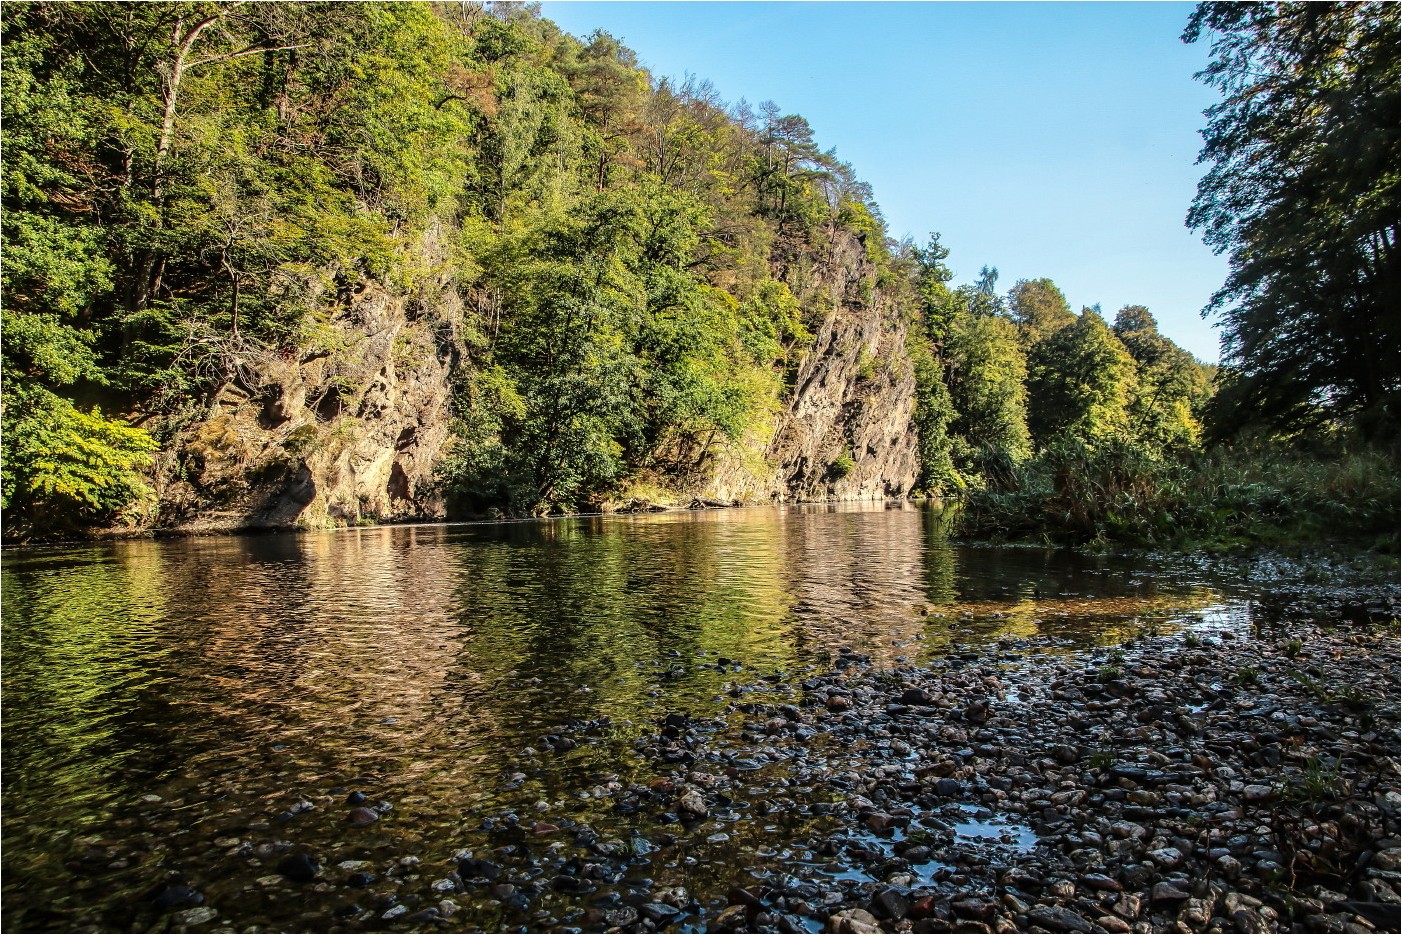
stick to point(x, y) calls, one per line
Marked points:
point(77, 632)
point(180, 667)
point(579, 603)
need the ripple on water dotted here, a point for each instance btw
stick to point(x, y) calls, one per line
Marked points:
point(233, 678)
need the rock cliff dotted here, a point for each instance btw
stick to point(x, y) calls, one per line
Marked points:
point(846, 430)
point(348, 429)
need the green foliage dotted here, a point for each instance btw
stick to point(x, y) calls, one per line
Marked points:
point(933, 413)
point(842, 465)
point(1169, 383)
point(65, 468)
point(1246, 675)
point(1122, 492)
point(1081, 381)
point(1302, 194)
point(191, 186)
point(1039, 308)
point(987, 385)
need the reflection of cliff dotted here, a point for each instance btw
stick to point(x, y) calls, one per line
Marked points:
point(332, 646)
point(860, 575)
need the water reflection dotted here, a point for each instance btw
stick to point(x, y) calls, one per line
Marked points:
point(231, 677)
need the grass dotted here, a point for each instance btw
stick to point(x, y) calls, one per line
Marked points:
point(1246, 675)
point(1220, 499)
point(1350, 696)
point(1315, 783)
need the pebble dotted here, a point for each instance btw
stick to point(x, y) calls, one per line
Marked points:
point(986, 791)
point(197, 916)
point(1059, 919)
point(299, 867)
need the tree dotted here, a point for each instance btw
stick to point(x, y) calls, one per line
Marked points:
point(1168, 383)
point(987, 384)
point(1039, 308)
point(1081, 381)
point(1302, 194)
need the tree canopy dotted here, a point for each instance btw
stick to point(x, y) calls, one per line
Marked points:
point(1301, 193)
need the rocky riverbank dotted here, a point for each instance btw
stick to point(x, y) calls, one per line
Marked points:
point(1211, 779)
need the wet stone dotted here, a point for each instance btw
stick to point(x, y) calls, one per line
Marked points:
point(197, 916)
point(890, 903)
point(979, 909)
point(1166, 892)
point(657, 912)
point(177, 897)
point(476, 869)
point(852, 922)
point(299, 867)
point(1059, 919)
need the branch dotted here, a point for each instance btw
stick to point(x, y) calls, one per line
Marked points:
point(438, 105)
point(251, 50)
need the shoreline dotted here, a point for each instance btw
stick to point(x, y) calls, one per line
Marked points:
point(1209, 780)
point(129, 534)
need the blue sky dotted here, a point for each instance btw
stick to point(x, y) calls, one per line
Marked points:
point(1046, 139)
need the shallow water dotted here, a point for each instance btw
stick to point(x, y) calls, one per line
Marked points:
point(166, 704)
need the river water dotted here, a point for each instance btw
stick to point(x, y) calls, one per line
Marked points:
point(186, 711)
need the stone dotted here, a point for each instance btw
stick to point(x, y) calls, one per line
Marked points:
point(693, 805)
point(360, 817)
point(177, 897)
point(197, 916)
point(1195, 913)
point(731, 918)
point(915, 697)
point(852, 922)
point(1099, 881)
point(1255, 793)
point(980, 910)
point(1165, 892)
point(1167, 857)
point(879, 822)
point(657, 912)
point(1129, 906)
point(1059, 919)
point(473, 868)
point(300, 867)
point(890, 903)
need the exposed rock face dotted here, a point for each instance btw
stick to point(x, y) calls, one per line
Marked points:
point(854, 397)
point(349, 430)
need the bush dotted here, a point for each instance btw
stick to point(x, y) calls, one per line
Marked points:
point(842, 465)
point(63, 468)
point(1079, 492)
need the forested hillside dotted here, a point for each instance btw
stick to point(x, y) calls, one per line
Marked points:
point(273, 264)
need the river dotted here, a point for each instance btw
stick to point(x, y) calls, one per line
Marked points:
point(186, 712)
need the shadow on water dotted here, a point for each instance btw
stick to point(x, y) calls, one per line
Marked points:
point(167, 704)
